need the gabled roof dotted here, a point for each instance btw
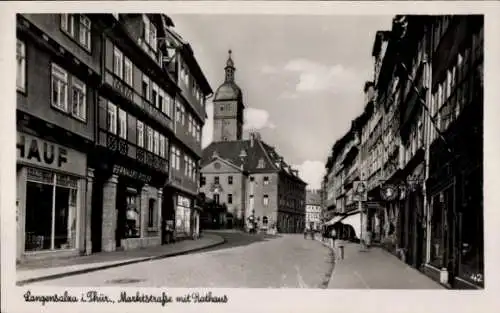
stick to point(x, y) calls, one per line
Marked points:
point(313, 198)
point(260, 157)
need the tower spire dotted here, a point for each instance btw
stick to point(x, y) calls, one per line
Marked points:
point(229, 68)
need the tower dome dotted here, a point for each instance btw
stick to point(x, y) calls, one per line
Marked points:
point(228, 90)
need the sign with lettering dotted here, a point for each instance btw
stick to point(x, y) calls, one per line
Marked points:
point(36, 151)
point(123, 171)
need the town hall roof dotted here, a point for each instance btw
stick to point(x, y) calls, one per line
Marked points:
point(252, 155)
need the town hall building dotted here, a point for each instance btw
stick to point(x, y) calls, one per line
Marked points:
point(248, 175)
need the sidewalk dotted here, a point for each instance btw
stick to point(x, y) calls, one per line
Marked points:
point(376, 269)
point(52, 269)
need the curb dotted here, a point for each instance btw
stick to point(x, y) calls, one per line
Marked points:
point(128, 262)
point(328, 276)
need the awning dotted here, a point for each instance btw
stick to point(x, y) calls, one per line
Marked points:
point(333, 220)
point(354, 221)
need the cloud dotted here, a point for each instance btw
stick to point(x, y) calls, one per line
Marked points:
point(288, 95)
point(311, 172)
point(315, 76)
point(267, 69)
point(256, 119)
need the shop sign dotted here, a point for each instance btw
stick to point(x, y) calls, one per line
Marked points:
point(123, 171)
point(36, 151)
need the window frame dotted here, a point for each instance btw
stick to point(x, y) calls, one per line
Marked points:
point(229, 198)
point(150, 139)
point(77, 84)
point(68, 20)
point(140, 133)
point(21, 65)
point(87, 40)
point(57, 72)
point(128, 76)
point(122, 123)
point(118, 62)
point(111, 120)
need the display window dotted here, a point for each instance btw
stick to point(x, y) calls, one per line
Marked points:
point(51, 210)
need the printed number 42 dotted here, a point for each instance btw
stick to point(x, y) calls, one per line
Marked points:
point(477, 277)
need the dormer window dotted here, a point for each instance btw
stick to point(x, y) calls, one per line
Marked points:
point(261, 163)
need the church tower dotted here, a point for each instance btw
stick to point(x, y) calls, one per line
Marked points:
point(228, 107)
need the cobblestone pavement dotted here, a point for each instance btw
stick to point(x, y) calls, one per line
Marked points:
point(250, 261)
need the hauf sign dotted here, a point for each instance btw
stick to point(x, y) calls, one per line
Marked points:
point(32, 150)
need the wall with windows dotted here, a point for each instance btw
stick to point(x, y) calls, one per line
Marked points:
point(53, 91)
point(183, 169)
point(190, 88)
point(232, 187)
point(187, 126)
point(74, 32)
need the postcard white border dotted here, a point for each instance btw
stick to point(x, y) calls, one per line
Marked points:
point(260, 300)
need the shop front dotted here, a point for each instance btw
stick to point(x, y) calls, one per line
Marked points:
point(127, 211)
point(50, 200)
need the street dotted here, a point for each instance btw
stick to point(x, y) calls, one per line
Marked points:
point(244, 261)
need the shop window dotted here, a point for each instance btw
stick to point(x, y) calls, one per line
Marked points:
point(229, 198)
point(440, 204)
point(471, 265)
point(51, 209)
point(133, 222)
point(230, 180)
point(151, 212)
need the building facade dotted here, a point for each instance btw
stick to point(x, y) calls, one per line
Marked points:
point(421, 146)
point(247, 175)
point(97, 151)
point(313, 209)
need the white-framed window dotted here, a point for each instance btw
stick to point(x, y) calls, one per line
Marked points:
point(265, 200)
point(185, 165)
point(128, 71)
point(167, 105)
point(79, 99)
point(190, 124)
point(177, 159)
point(111, 118)
point(21, 65)
point(117, 62)
point(156, 142)
point(85, 32)
point(162, 146)
point(140, 134)
point(183, 115)
point(146, 87)
point(150, 139)
point(122, 125)
point(153, 37)
point(68, 24)
point(172, 157)
point(59, 88)
point(178, 115)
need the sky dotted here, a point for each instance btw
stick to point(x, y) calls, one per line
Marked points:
point(302, 77)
